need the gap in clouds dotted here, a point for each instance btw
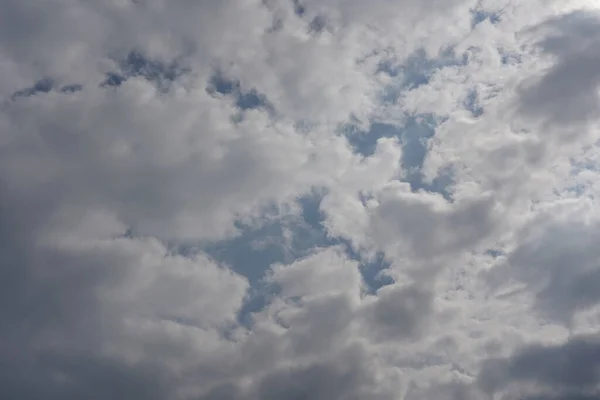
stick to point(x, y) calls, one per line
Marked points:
point(273, 240)
point(479, 16)
point(472, 104)
point(415, 71)
point(94, 310)
point(414, 135)
point(253, 252)
point(162, 74)
point(256, 249)
point(316, 25)
point(46, 85)
point(372, 271)
point(135, 64)
point(299, 8)
point(221, 85)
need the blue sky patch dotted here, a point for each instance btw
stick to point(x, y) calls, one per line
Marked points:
point(135, 64)
point(253, 253)
point(472, 103)
point(299, 9)
point(44, 85)
point(416, 71)
point(113, 79)
point(371, 270)
point(478, 16)
point(72, 88)
point(494, 253)
point(414, 136)
point(244, 100)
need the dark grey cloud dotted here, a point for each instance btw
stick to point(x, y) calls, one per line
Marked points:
point(61, 376)
point(567, 396)
point(566, 371)
point(42, 86)
point(559, 261)
point(567, 93)
point(448, 391)
point(435, 228)
point(64, 301)
point(62, 305)
point(400, 312)
point(341, 381)
point(345, 377)
point(49, 297)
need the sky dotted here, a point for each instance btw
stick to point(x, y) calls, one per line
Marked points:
point(300, 200)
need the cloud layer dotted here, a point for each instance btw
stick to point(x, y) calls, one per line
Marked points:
point(299, 199)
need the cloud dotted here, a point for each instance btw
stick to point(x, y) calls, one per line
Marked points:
point(346, 377)
point(556, 257)
point(567, 93)
point(194, 195)
point(568, 370)
point(133, 166)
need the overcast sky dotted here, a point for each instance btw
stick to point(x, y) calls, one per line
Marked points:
point(299, 200)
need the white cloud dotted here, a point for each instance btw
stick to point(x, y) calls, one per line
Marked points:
point(132, 129)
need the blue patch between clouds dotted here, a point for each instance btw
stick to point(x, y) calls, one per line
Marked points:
point(299, 9)
point(509, 58)
point(221, 84)
point(472, 104)
point(478, 16)
point(252, 261)
point(44, 85)
point(318, 23)
point(414, 136)
point(71, 88)
point(365, 143)
point(415, 133)
point(135, 64)
point(256, 250)
point(371, 270)
point(494, 253)
point(113, 79)
point(416, 71)
point(251, 253)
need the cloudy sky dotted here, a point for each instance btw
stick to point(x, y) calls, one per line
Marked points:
point(300, 199)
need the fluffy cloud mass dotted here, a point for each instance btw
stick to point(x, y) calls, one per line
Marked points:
point(299, 199)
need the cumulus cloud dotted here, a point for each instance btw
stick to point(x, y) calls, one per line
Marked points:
point(567, 93)
point(568, 370)
point(446, 150)
point(556, 258)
